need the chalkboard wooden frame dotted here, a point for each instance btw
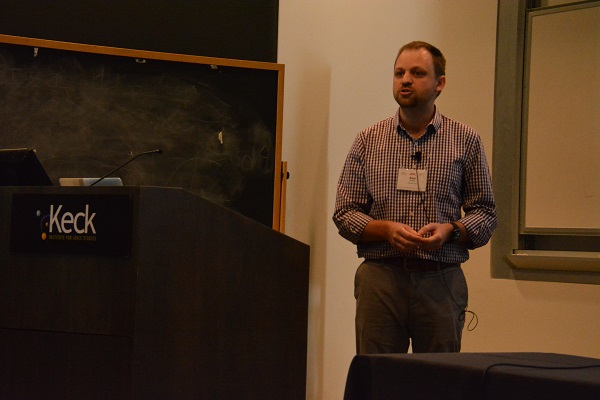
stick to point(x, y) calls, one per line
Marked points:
point(242, 143)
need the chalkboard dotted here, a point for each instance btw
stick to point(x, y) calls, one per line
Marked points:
point(87, 109)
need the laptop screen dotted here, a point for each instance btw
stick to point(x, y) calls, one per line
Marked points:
point(21, 167)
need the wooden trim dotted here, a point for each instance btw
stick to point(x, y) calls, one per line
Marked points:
point(284, 178)
point(277, 179)
point(154, 55)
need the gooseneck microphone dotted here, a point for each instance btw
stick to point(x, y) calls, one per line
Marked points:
point(157, 151)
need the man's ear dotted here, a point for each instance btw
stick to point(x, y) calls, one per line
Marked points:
point(440, 84)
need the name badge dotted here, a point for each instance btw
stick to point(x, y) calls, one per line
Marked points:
point(414, 180)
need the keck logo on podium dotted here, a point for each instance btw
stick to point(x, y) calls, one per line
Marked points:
point(66, 225)
point(93, 224)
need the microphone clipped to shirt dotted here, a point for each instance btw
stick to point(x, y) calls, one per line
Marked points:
point(156, 151)
point(417, 156)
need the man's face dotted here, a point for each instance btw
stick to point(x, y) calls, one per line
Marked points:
point(415, 83)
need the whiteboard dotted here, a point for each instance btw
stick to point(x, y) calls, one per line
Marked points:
point(562, 121)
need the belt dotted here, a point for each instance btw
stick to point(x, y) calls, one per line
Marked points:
point(417, 264)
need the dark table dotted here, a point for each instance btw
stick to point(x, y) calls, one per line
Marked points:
point(473, 376)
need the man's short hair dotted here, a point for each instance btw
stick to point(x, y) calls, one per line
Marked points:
point(439, 62)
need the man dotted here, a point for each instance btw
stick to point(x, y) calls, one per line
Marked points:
point(414, 195)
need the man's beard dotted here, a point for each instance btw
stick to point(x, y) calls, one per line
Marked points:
point(416, 99)
point(407, 102)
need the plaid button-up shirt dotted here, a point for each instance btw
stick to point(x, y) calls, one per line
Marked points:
point(458, 188)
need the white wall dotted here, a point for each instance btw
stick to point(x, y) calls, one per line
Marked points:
point(339, 56)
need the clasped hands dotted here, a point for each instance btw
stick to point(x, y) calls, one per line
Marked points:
point(430, 237)
point(404, 238)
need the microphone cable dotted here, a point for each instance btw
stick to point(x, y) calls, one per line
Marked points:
point(472, 324)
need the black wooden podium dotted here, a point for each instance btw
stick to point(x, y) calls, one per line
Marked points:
point(205, 304)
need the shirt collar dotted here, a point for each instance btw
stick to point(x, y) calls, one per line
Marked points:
point(433, 126)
